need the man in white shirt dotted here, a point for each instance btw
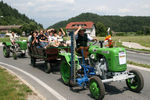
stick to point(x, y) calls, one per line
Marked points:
point(13, 38)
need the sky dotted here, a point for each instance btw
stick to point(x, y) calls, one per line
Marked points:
point(48, 12)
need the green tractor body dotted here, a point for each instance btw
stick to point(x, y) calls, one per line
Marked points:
point(22, 44)
point(115, 57)
point(7, 43)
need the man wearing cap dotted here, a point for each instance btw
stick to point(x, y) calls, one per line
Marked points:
point(82, 40)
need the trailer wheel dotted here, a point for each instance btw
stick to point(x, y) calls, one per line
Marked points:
point(97, 88)
point(135, 84)
point(6, 51)
point(33, 61)
point(47, 67)
point(65, 72)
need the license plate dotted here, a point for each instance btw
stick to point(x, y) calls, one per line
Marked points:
point(122, 58)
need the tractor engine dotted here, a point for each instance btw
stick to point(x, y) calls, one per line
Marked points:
point(107, 59)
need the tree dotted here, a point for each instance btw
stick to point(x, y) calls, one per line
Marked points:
point(18, 31)
point(100, 29)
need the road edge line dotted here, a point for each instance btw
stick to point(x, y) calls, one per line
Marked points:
point(52, 91)
point(138, 67)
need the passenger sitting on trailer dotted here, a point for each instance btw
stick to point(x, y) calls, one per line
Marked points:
point(60, 36)
point(51, 40)
point(34, 40)
point(82, 40)
point(42, 39)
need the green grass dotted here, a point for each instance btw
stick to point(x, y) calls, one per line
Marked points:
point(138, 64)
point(11, 88)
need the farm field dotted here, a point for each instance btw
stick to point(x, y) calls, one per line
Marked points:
point(143, 40)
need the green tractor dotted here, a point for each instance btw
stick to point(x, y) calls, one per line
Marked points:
point(18, 49)
point(109, 64)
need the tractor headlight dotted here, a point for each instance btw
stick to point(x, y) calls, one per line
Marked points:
point(92, 56)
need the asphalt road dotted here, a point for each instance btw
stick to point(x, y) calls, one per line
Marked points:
point(52, 88)
point(138, 57)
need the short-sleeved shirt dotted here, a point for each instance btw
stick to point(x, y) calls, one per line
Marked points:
point(50, 38)
point(41, 37)
point(55, 38)
point(60, 38)
point(13, 38)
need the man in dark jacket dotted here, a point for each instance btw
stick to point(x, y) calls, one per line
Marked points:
point(82, 40)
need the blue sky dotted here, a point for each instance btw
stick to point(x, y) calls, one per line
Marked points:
point(48, 12)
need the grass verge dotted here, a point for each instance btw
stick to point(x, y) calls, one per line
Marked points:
point(138, 64)
point(11, 88)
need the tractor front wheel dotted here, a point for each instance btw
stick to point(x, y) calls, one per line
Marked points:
point(136, 83)
point(97, 88)
point(14, 54)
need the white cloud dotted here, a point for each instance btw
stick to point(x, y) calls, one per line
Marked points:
point(124, 10)
point(30, 4)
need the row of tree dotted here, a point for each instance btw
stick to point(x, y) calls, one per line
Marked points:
point(138, 24)
point(11, 16)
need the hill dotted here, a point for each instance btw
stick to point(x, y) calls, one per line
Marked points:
point(117, 23)
point(11, 16)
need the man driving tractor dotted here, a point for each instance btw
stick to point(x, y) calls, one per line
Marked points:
point(82, 40)
point(13, 38)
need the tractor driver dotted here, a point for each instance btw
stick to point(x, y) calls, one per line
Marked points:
point(13, 38)
point(82, 41)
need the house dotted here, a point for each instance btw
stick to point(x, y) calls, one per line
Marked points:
point(89, 26)
point(9, 27)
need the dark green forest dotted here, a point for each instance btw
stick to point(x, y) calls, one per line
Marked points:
point(11, 16)
point(138, 24)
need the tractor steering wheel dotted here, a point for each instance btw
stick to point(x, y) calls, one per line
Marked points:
point(95, 41)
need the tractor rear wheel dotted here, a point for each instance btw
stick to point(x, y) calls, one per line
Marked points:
point(136, 83)
point(97, 88)
point(6, 51)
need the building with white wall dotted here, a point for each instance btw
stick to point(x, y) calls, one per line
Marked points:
point(88, 26)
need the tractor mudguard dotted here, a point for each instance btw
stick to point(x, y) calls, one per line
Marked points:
point(67, 57)
point(7, 43)
point(22, 44)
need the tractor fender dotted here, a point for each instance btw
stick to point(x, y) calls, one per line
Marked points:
point(67, 57)
point(7, 43)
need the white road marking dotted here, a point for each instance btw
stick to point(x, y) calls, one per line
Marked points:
point(140, 68)
point(52, 91)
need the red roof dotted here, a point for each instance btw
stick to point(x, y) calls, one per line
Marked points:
point(74, 25)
